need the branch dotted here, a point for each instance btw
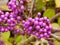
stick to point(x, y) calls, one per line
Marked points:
point(57, 33)
point(56, 37)
point(37, 42)
point(31, 6)
point(54, 17)
point(44, 41)
point(50, 39)
point(27, 41)
point(55, 30)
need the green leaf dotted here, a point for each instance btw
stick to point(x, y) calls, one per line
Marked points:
point(55, 25)
point(40, 4)
point(20, 38)
point(8, 43)
point(5, 35)
point(49, 13)
point(11, 39)
point(56, 42)
point(59, 21)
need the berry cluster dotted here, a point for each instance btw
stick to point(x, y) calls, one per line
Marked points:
point(16, 6)
point(3, 19)
point(38, 26)
point(8, 21)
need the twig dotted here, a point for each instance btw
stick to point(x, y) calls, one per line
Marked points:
point(37, 42)
point(50, 39)
point(55, 30)
point(32, 6)
point(24, 14)
point(44, 41)
point(57, 33)
point(54, 17)
point(56, 37)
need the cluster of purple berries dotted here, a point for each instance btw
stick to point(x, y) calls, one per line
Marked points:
point(38, 26)
point(3, 19)
point(16, 6)
point(8, 21)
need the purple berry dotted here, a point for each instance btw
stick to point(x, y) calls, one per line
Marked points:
point(39, 14)
point(21, 2)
